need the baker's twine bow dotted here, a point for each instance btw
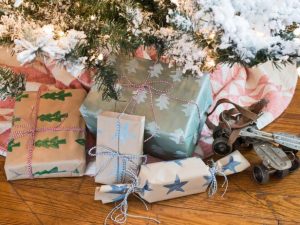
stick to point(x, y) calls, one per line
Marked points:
point(119, 213)
point(149, 86)
point(213, 186)
point(32, 130)
point(124, 159)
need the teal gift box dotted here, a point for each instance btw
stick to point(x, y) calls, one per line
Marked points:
point(174, 105)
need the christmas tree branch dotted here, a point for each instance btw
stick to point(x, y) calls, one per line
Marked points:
point(11, 84)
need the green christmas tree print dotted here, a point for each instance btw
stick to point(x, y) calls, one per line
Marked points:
point(50, 143)
point(61, 95)
point(75, 171)
point(12, 144)
point(53, 170)
point(21, 96)
point(57, 116)
point(80, 141)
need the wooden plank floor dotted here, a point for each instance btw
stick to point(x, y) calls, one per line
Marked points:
point(70, 200)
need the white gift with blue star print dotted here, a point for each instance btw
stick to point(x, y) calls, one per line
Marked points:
point(119, 146)
point(171, 179)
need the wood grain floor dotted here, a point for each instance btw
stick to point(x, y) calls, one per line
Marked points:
point(70, 200)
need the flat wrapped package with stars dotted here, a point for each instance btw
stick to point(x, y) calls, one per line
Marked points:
point(48, 135)
point(174, 105)
point(171, 179)
point(120, 139)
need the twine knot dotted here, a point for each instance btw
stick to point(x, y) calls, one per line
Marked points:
point(111, 154)
point(213, 186)
point(119, 213)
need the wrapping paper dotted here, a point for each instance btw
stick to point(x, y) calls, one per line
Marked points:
point(171, 179)
point(123, 134)
point(174, 110)
point(47, 137)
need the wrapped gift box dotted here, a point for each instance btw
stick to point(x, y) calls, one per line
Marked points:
point(174, 105)
point(48, 136)
point(171, 179)
point(120, 139)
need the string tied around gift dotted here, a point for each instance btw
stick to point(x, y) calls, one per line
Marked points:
point(111, 154)
point(213, 186)
point(31, 129)
point(122, 159)
point(150, 86)
point(119, 213)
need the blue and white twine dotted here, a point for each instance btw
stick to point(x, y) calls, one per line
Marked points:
point(111, 154)
point(119, 213)
point(213, 186)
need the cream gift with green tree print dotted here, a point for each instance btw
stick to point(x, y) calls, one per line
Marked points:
point(47, 136)
point(174, 105)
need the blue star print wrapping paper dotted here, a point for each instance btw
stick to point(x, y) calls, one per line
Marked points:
point(123, 134)
point(171, 179)
point(153, 88)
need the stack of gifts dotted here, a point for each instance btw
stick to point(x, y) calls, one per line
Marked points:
point(174, 106)
point(172, 114)
point(119, 156)
point(159, 112)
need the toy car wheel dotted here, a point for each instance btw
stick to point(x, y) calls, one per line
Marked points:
point(217, 132)
point(295, 164)
point(287, 149)
point(239, 143)
point(221, 147)
point(281, 173)
point(261, 174)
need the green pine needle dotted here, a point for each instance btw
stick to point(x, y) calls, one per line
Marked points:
point(11, 84)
